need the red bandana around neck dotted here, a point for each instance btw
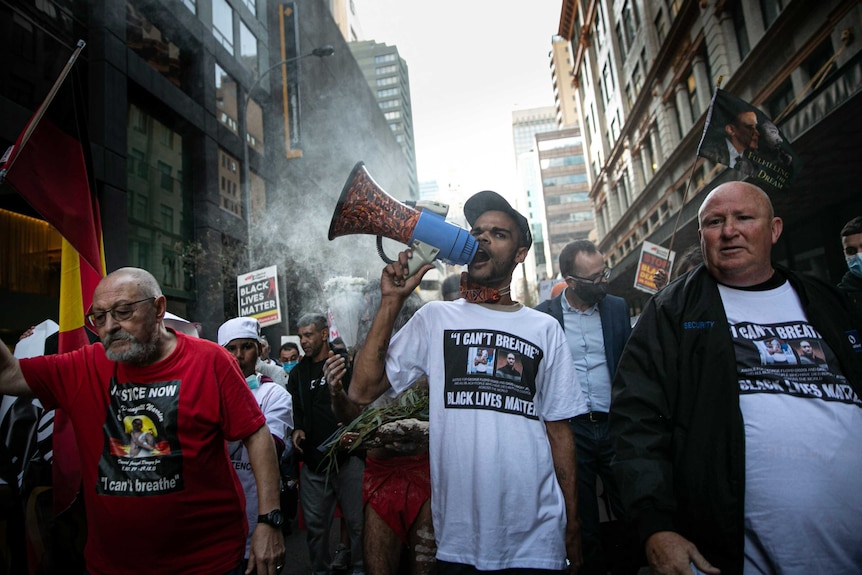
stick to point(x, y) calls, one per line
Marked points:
point(475, 293)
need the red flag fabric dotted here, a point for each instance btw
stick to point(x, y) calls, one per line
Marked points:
point(50, 172)
point(48, 167)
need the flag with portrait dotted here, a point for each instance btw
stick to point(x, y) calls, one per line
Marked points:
point(743, 138)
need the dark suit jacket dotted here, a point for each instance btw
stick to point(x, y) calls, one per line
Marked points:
point(616, 325)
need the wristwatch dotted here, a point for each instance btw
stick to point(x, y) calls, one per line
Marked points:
point(274, 518)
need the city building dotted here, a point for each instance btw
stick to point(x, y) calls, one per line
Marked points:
point(344, 14)
point(525, 125)
point(387, 76)
point(568, 210)
point(644, 73)
point(170, 124)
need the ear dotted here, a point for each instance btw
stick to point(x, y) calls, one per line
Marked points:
point(728, 129)
point(777, 228)
point(521, 255)
point(161, 307)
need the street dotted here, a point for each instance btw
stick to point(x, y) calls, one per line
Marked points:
point(296, 552)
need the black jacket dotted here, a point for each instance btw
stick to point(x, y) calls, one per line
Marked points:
point(676, 422)
point(312, 407)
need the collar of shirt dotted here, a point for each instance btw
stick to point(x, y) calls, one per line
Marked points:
point(567, 308)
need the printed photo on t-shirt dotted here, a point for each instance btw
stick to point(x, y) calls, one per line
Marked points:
point(788, 358)
point(488, 369)
point(509, 366)
point(775, 351)
point(142, 454)
point(480, 361)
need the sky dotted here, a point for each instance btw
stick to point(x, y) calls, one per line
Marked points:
point(471, 63)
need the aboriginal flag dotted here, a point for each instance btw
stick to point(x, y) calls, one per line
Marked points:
point(48, 167)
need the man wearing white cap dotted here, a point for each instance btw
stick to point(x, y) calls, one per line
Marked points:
point(241, 338)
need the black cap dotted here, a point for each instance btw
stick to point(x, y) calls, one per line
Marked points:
point(489, 201)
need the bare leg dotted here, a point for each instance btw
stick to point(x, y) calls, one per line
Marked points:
point(423, 547)
point(382, 546)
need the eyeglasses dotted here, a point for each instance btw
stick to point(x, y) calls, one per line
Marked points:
point(604, 275)
point(120, 312)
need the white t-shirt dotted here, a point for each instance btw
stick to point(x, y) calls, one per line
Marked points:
point(803, 439)
point(277, 406)
point(496, 503)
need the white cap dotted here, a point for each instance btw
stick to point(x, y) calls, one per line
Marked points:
point(238, 328)
point(181, 325)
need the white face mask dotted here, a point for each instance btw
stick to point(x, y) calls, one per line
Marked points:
point(854, 263)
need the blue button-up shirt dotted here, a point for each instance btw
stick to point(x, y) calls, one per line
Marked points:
point(587, 344)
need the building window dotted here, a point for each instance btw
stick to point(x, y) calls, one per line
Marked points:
point(167, 214)
point(637, 78)
point(631, 20)
point(615, 131)
point(387, 92)
point(384, 58)
point(740, 30)
point(166, 136)
point(660, 27)
point(620, 40)
point(691, 86)
point(248, 48)
point(148, 42)
point(393, 115)
point(166, 181)
point(813, 65)
point(223, 24)
point(229, 189)
point(251, 5)
point(226, 102)
point(770, 10)
point(387, 81)
point(600, 26)
point(380, 70)
point(608, 80)
point(780, 99)
point(191, 5)
point(254, 126)
point(387, 104)
point(135, 162)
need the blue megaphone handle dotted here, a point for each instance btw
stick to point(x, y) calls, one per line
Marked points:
point(456, 245)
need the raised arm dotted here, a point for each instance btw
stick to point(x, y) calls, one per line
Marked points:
point(369, 379)
point(12, 380)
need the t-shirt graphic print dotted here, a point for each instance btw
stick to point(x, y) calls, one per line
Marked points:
point(141, 454)
point(488, 369)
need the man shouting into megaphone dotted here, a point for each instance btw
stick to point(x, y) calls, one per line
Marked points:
point(502, 452)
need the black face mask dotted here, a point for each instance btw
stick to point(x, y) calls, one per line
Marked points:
point(591, 294)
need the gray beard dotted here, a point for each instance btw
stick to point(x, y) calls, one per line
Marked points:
point(138, 353)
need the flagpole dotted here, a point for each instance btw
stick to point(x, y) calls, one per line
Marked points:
point(37, 117)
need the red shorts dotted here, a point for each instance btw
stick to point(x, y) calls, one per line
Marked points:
point(396, 489)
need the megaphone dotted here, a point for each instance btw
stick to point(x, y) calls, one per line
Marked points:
point(365, 208)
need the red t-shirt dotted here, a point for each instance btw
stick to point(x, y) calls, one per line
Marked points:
point(159, 489)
